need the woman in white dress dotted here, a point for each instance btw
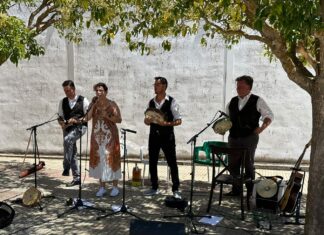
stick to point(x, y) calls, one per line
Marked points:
point(105, 163)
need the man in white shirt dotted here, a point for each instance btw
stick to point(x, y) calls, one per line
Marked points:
point(245, 111)
point(162, 136)
point(71, 109)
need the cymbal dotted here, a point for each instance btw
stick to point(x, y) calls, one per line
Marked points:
point(266, 188)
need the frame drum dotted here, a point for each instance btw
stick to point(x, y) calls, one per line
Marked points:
point(222, 125)
point(31, 197)
point(155, 115)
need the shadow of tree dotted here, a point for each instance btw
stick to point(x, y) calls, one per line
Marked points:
point(32, 220)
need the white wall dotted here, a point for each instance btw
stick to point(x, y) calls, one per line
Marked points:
point(201, 79)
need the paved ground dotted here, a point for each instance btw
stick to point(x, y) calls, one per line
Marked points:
point(32, 220)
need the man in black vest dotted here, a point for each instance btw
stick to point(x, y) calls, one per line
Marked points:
point(71, 109)
point(245, 111)
point(162, 136)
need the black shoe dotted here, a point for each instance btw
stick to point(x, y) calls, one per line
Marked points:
point(66, 173)
point(73, 183)
point(232, 194)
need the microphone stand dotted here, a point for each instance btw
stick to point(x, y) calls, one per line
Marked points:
point(79, 202)
point(33, 133)
point(123, 208)
point(190, 213)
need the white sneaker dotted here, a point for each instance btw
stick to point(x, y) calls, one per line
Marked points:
point(177, 195)
point(114, 192)
point(101, 192)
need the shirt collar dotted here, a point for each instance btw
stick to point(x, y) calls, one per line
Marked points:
point(167, 97)
point(245, 97)
point(74, 99)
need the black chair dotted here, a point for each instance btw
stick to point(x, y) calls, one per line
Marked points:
point(223, 177)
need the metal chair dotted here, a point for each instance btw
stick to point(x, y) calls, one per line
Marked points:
point(223, 177)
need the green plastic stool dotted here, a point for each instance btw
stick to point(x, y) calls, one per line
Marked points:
point(206, 158)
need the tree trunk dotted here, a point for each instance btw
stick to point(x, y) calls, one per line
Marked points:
point(315, 197)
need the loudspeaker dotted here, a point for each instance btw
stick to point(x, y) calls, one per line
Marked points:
point(6, 215)
point(142, 227)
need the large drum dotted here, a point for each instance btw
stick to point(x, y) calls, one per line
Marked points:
point(267, 192)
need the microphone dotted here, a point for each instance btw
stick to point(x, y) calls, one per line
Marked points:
point(93, 101)
point(223, 113)
point(128, 130)
point(31, 170)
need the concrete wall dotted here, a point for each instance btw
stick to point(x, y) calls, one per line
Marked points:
point(200, 78)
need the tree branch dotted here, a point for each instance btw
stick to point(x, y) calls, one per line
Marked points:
point(231, 32)
point(34, 13)
point(45, 14)
point(302, 50)
point(48, 23)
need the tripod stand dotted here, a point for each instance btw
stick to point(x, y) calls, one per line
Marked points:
point(79, 203)
point(35, 168)
point(190, 213)
point(123, 208)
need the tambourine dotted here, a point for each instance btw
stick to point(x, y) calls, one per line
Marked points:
point(31, 197)
point(222, 125)
point(156, 115)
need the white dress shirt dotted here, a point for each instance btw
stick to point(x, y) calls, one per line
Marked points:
point(261, 106)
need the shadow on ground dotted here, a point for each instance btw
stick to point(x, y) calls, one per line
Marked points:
point(32, 220)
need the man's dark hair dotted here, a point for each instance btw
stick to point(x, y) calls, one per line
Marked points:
point(247, 79)
point(69, 83)
point(103, 85)
point(162, 80)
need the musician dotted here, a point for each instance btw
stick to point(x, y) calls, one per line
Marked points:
point(245, 111)
point(105, 163)
point(70, 110)
point(162, 136)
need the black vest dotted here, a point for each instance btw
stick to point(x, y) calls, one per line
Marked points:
point(244, 121)
point(166, 109)
point(76, 112)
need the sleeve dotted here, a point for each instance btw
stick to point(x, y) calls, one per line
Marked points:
point(175, 109)
point(60, 109)
point(85, 105)
point(264, 109)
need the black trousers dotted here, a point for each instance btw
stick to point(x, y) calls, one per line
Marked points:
point(166, 142)
point(234, 163)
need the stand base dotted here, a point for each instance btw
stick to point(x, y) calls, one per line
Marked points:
point(297, 219)
point(39, 204)
point(123, 209)
point(79, 203)
point(191, 216)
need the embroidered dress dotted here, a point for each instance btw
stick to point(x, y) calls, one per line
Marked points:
point(105, 148)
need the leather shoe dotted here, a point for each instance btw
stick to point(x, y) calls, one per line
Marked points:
point(232, 194)
point(66, 173)
point(73, 183)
